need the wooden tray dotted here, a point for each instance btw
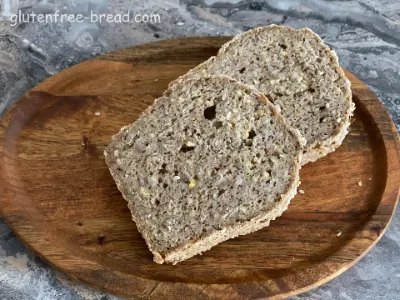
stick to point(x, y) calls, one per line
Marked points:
point(59, 198)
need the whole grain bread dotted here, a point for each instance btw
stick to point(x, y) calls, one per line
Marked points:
point(210, 160)
point(296, 71)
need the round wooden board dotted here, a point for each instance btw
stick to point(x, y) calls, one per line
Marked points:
point(59, 198)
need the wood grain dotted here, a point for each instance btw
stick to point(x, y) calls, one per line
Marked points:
point(59, 198)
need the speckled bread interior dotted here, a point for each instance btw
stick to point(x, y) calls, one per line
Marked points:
point(210, 160)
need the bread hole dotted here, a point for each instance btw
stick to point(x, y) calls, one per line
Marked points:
point(160, 179)
point(217, 227)
point(163, 169)
point(209, 113)
point(218, 124)
point(258, 155)
point(186, 148)
point(259, 201)
point(157, 202)
point(311, 90)
point(304, 39)
point(279, 94)
point(165, 185)
point(319, 60)
point(252, 134)
point(322, 107)
point(257, 58)
point(249, 143)
point(241, 71)
point(196, 177)
point(283, 46)
point(321, 120)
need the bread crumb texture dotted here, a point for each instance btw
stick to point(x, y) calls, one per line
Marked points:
point(202, 160)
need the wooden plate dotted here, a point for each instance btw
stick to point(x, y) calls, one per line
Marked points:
point(59, 198)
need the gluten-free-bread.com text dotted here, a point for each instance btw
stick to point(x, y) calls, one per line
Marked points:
point(93, 17)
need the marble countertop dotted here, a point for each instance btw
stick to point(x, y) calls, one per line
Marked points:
point(364, 33)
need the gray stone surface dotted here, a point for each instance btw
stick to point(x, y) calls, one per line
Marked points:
point(365, 34)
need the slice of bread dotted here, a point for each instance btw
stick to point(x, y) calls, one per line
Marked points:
point(296, 71)
point(210, 160)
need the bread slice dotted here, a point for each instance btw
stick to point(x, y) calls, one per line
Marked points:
point(296, 71)
point(210, 160)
